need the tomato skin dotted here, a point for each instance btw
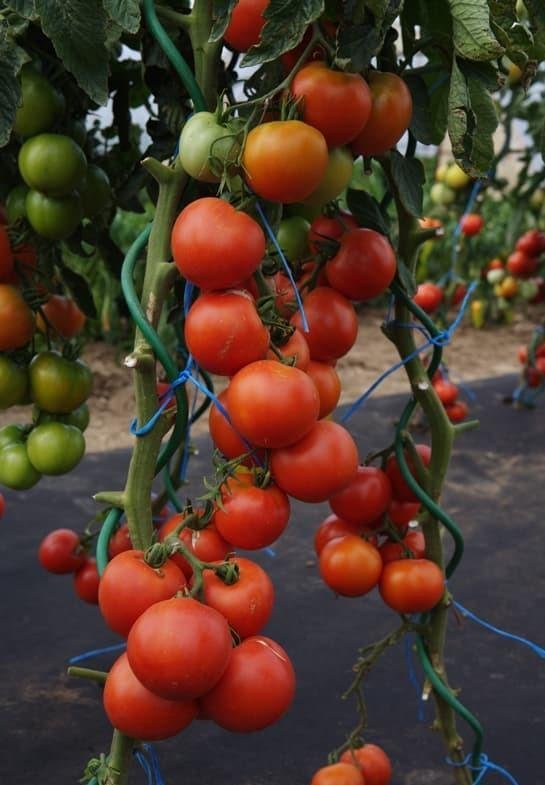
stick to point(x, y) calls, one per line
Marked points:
point(207, 544)
point(16, 319)
point(54, 218)
point(332, 321)
point(86, 582)
point(256, 689)
point(2, 505)
point(447, 392)
point(52, 164)
point(245, 24)
point(400, 489)
point(521, 265)
point(224, 436)
point(272, 405)
point(78, 418)
point(305, 470)
point(179, 648)
point(292, 237)
point(139, 713)
point(218, 259)
point(58, 385)
point(296, 350)
point(252, 517)
point(224, 333)
point(457, 411)
point(393, 551)
point(60, 552)
point(411, 585)
point(246, 604)
point(40, 103)
point(471, 224)
point(64, 316)
point(11, 434)
point(350, 565)
point(284, 160)
point(95, 191)
point(373, 763)
point(119, 542)
point(330, 529)
point(364, 499)
point(202, 138)
point(16, 470)
point(391, 114)
point(364, 266)
point(55, 448)
point(429, 296)
point(336, 179)
point(531, 243)
point(328, 384)
point(324, 229)
point(6, 256)
point(402, 513)
point(338, 774)
point(13, 382)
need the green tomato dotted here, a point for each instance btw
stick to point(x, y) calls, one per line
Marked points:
point(58, 385)
point(536, 200)
point(52, 164)
point(11, 434)
point(495, 276)
point(528, 289)
point(77, 130)
point(15, 203)
point(40, 103)
point(337, 176)
point(13, 383)
point(441, 194)
point(55, 218)
point(202, 139)
point(55, 448)
point(79, 418)
point(95, 192)
point(292, 237)
point(456, 178)
point(16, 470)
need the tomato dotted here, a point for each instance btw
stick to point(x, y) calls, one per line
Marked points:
point(215, 246)
point(13, 383)
point(402, 513)
point(247, 603)
point(414, 542)
point(55, 448)
point(95, 191)
point(447, 392)
point(16, 470)
point(442, 195)
point(245, 24)
point(411, 585)
point(206, 544)
point(256, 689)
point(272, 405)
point(179, 648)
point(16, 319)
point(296, 351)
point(429, 296)
point(338, 774)
point(250, 517)
point(15, 203)
point(40, 103)
point(350, 565)
point(471, 224)
point(521, 265)
point(364, 266)
point(86, 582)
point(330, 529)
point(459, 293)
point(457, 411)
point(373, 763)
point(508, 288)
point(204, 140)
point(531, 243)
point(78, 418)
point(332, 321)
point(284, 160)
point(328, 384)
point(456, 178)
point(58, 385)
point(63, 315)
point(52, 164)
point(6, 255)
point(365, 498)
point(391, 114)
point(129, 586)
point(139, 713)
point(224, 333)
point(60, 552)
point(531, 375)
point(324, 230)
point(119, 542)
point(400, 489)
point(224, 436)
point(292, 237)
point(321, 464)
point(54, 218)
point(12, 434)
point(540, 365)
point(336, 178)
point(2, 505)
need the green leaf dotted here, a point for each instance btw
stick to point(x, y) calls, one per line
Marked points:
point(542, 142)
point(125, 13)
point(422, 126)
point(439, 109)
point(358, 43)
point(221, 13)
point(367, 211)
point(12, 58)
point(536, 14)
point(77, 30)
point(473, 37)
point(79, 290)
point(285, 25)
point(408, 176)
point(25, 8)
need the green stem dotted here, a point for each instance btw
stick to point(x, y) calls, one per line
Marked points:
point(205, 53)
point(119, 759)
point(87, 673)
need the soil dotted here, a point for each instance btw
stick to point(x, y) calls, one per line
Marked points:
point(473, 354)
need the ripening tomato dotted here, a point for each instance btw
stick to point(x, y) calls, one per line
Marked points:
point(364, 266)
point(224, 333)
point(139, 713)
point(284, 160)
point(338, 774)
point(391, 114)
point(401, 490)
point(447, 392)
point(337, 176)
point(6, 255)
point(350, 565)
point(203, 140)
point(330, 529)
point(324, 231)
point(179, 648)
point(402, 513)
point(365, 498)
point(471, 224)
point(215, 246)
point(373, 763)
point(429, 296)
point(60, 552)
point(411, 585)
point(16, 319)
point(532, 242)
point(129, 586)
point(413, 542)
point(119, 542)
point(272, 405)
point(457, 411)
point(245, 24)
point(521, 265)
point(63, 314)
point(86, 582)
point(319, 465)
point(206, 544)
point(295, 351)
point(328, 384)
point(337, 103)
point(256, 689)
point(250, 517)
point(332, 321)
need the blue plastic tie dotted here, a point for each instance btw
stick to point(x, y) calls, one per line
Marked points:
point(413, 678)
point(143, 761)
point(153, 764)
point(284, 261)
point(525, 642)
point(485, 765)
point(96, 653)
point(188, 295)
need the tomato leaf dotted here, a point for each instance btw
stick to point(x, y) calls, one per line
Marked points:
point(221, 12)
point(422, 127)
point(408, 176)
point(25, 8)
point(12, 58)
point(366, 210)
point(125, 13)
point(473, 37)
point(79, 290)
point(536, 15)
point(285, 25)
point(359, 41)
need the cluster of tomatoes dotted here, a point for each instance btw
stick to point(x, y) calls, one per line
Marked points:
point(520, 273)
point(533, 368)
point(64, 552)
point(365, 765)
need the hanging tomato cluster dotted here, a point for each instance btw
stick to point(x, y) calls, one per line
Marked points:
point(533, 365)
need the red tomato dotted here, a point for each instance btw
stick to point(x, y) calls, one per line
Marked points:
point(86, 582)
point(245, 24)
point(539, 297)
point(429, 296)
point(328, 384)
point(252, 517)
point(120, 542)
point(332, 321)
point(459, 293)
point(206, 544)
point(16, 319)
point(411, 585)
point(337, 103)
point(225, 437)
point(60, 552)
point(139, 713)
point(215, 246)
point(321, 464)
point(364, 499)
point(447, 392)
point(471, 224)
point(272, 405)
point(373, 763)
point(246, 604)
point(522, 355)
point(350, 565)
point(400, 489)
point(363, 267)
point(295, 349)
point(256, 689)
point(457, 411)
point(325, 230)
point(330, 529)
point(540, 365)
point(532, 376)
point(413, 541)
point(338, 774)
point(63, 314)
point(224, 333)
point(2, 505)
point(391, 114)
point(179, 648)
point(521, 265)
point(284, 160)
point(6, 256)
point(531, 243)
point(129, 586)
point(402, 513)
